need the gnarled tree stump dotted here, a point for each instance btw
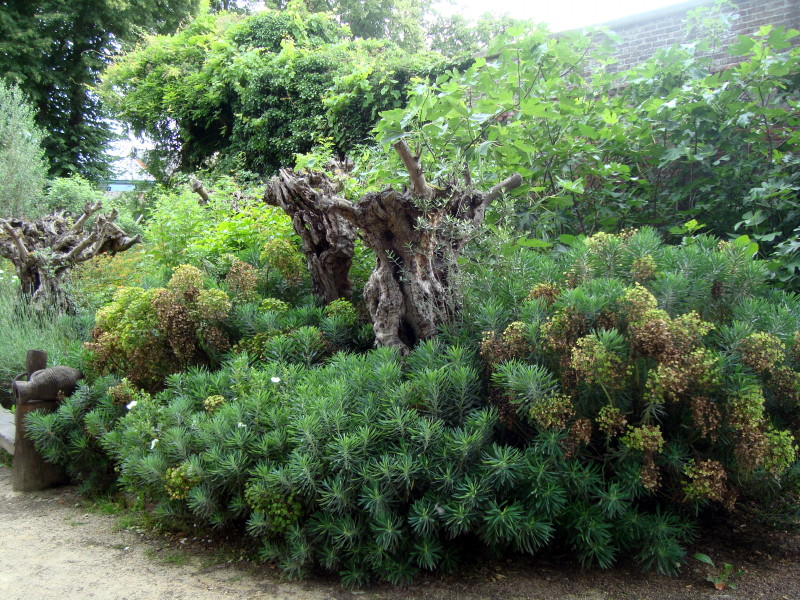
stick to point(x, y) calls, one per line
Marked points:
point(43, 251)
point(328, 239)
point(417, 237)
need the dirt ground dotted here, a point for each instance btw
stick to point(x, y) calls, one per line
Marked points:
point(52, 548)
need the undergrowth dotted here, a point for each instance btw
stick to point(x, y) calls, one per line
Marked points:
point(602, 398)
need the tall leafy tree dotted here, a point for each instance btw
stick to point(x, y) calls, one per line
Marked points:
point(55, 51)
point(401, 21)
point(251, 92)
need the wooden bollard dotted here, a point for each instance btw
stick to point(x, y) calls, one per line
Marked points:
point(36, 360)
point(31, 472)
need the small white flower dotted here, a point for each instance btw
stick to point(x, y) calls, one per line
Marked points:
point(153, 443)
point(131, 404)
point(275, 380)
point(240, 425)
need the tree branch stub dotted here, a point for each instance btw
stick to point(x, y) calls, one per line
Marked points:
point(419, 187)
point(197, 187)
point(18, 244)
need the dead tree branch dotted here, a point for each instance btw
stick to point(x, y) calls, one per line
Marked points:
point(199, 189)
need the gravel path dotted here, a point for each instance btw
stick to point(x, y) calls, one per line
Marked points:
point(51, 549)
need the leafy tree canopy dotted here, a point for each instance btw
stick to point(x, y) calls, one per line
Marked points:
point(56, 49)
point(401, 21)
point(251, 92)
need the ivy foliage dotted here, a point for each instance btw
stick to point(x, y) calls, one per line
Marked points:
point(402, 21)
point(250, 92)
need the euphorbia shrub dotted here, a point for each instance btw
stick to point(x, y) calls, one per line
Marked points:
point(675, 358)
point(146, 334)
point(599, 398)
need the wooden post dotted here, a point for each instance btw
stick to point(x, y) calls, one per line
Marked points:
point(36, 360)
point(31, 472)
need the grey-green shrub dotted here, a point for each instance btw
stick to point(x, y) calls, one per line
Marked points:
point(23, 167)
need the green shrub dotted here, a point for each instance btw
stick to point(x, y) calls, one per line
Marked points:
point(377, 470)
point(147, 334)
point(233, 225)
point(249, 93)
point(92, 284)
point(175, 221)
point(283, 257)
point(30, 328)
point(589, 399)
point(694, 371)
point(71, 194)
point(304, 334)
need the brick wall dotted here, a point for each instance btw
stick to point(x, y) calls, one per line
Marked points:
point(643, 34)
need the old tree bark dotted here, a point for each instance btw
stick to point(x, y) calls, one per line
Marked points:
point(44, 250)
point(417, 237)
point(328, 239)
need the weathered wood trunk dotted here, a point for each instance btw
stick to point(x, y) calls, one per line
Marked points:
point(43, 285)
point(31, 472)
point(198, 188)
point(328, 239)
point(417, 237)
point(414, 288)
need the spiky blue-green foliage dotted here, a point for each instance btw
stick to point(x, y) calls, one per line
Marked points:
point(599, 397)
point(372, 466)
point(674, 362)
point(71, 436)
point(702, 274)
point(303, 334)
